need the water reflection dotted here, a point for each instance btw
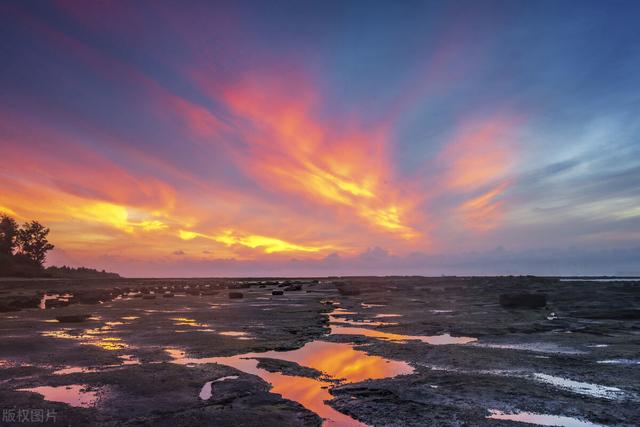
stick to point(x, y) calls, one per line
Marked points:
point(53, 297)
point(588, 389)
point(237, 334)
point(443, 339)
point(374, 333)
point(75, 395)
point(541, 419)
point(91, 336)
point(338, 361)
point(206, 391)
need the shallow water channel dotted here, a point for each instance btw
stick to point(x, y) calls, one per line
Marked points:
point(339, 363)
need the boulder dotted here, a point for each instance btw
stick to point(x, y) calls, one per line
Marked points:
point(92, 297)
point(277, 292)
point(293, 288)
point(523, 300)
point(236, 295)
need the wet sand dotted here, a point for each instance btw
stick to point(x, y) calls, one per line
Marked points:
point(370, 351)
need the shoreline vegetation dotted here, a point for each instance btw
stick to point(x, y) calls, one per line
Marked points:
point(23, 251)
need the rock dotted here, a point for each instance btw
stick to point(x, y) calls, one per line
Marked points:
point(92, 297)
point(51, 303)
point(168, 295)
point(236, 295)
point(523, 300)
point(277, 292)
point(148, 296)
point(614, 314)
point(287, 368)
point(347, 289)
point(73, 318)
point(293, 288)
point(18, 302)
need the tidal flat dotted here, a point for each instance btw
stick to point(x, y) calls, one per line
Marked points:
point(367, 351)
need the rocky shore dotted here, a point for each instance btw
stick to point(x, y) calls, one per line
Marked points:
point(109, 350)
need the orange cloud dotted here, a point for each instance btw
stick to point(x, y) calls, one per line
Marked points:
point(477, 163)
point(289, 150)
point(268, 244)
point(484, 212)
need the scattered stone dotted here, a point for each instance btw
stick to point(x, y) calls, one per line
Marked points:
point(236, 295)
point(277, 293)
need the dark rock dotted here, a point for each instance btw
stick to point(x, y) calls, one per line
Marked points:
point(287, 368)
point(18, 302)
point(293, 288)
point(347, 290)
point(168, 295)
point(73, 318)
point(92, 297)
point(614, 314)
point(148, 296)
point(523, 300)
point(277, 292)
point(236, 295)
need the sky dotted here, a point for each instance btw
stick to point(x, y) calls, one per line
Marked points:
point(164, 138)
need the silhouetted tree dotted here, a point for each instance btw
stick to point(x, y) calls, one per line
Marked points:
point(32, 241)
point(8, 234)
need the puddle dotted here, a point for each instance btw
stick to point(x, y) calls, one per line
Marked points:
point(350, 330)
point(365, 322)
point(363, 305)
point(537, 347)
point(90, 336)
point(626, 279)
point(206, 391)
point(443, 339)
point(127, 359)
point(185, 321)
point(238, 334)
point(620, 362)
point(75, 395)
point(588, 389)
point(339, 361)
point(541, 419)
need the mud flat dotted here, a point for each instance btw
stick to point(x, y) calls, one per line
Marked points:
point(395, 351)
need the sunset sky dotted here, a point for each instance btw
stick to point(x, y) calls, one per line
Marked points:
point(321, 138)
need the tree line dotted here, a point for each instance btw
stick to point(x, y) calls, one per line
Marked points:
point(23, 248)
point(23, 251)
point(29, 240)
